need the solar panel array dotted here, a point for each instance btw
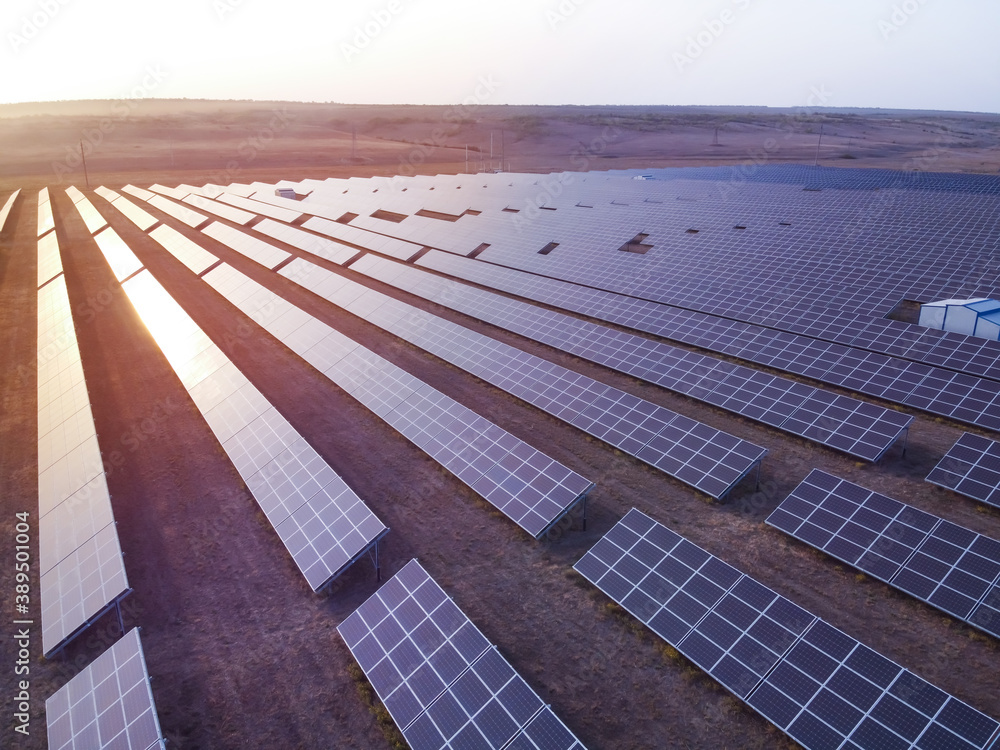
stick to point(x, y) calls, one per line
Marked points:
point(950, 567)
point(820, 686)
point(323, 524)
point(708, 459)
point(8, 206)
point(109, 704)
point(863, 430)
point(444, 684)
point(894, 358)
point(972, 468)
point(962, 397)
point(82, 573)
point(529, 487)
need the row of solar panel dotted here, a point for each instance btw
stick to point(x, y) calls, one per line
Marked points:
point(961, 397)
point(947, 566)
point(970, 355)
point(859, 429)
point(82, 573)
point(820, 686)
point(322, 523)
point(526, 485)
point(529, 487)
point(444, 684)
point(699, 455)
point(8, 207)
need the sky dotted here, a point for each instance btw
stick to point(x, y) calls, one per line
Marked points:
point(894, 54)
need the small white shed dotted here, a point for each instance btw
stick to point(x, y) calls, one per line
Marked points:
point(957, 315)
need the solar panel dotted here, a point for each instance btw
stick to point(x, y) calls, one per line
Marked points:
point(82, 573)
point(106, 193)
point(817, 684)
point(713, 461)
point(972, 468)
point(8, 206)
point(107, 704)
point(188, 252)
point(178, 193)
point(333, 526)
point(134, 213)
point(138, 192)
point(947, 566)
point(307, 241)
point(178, 211)
point(260, 208)
point(224, 210)
point(91, 217)
point(849, 425)
point(866, 372)
point(49, 262)
point(444, 684)
point(119, 255)
point(46, 223)
point(263, 252)
point(529, 487)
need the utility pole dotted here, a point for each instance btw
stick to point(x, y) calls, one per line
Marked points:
point(716, 141)
point(354, 141)
point(818, 143)
point(84, 157)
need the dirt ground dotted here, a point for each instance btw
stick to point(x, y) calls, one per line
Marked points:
point(242, 653)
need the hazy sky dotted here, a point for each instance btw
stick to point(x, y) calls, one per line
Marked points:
point(913, 54)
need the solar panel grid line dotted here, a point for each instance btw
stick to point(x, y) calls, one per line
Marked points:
point(442, 681)
point(325, 551)
point(944, 565)
point(796, 670)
